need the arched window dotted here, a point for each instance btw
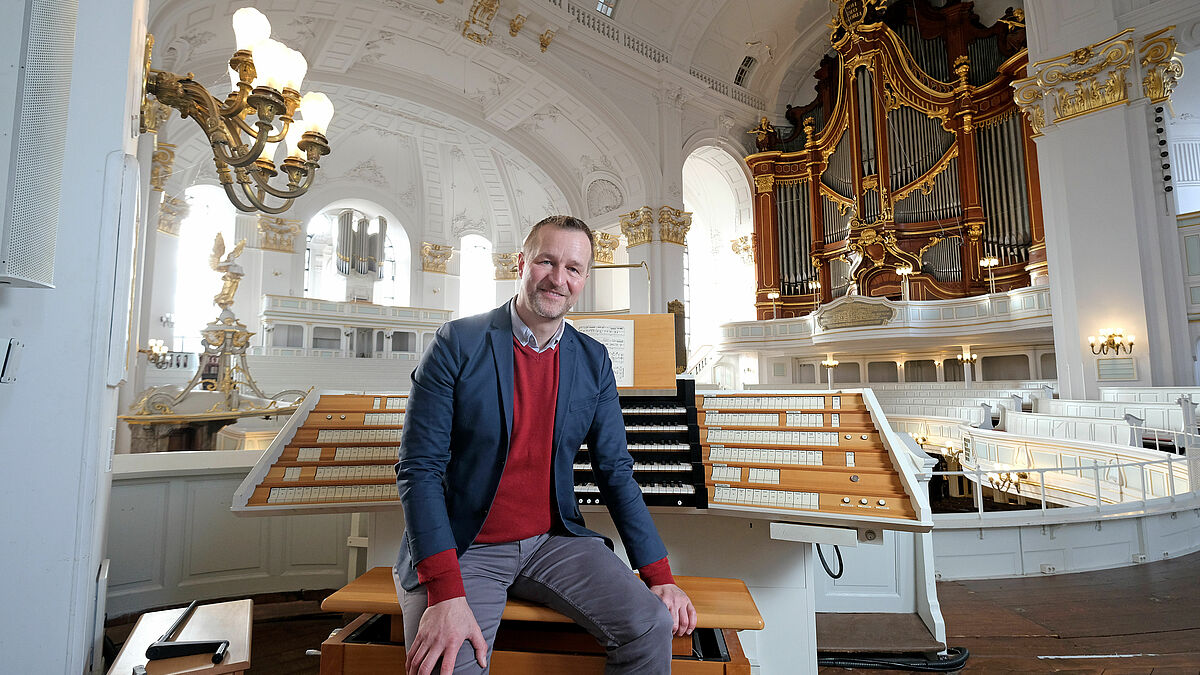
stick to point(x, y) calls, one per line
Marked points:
point(720, 279)
point(477, 276)
point(744, 71)
point(357, 251)
point(209, 212)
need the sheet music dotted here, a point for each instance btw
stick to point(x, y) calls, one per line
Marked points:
point(617, 336)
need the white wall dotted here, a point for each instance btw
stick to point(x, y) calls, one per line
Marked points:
point(58, 417)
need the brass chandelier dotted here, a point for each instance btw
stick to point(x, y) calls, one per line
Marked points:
point(265, 76)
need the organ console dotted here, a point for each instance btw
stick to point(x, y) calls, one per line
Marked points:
point(664, 442)
point(336, 453)
point(810, 457)
point(794, 456)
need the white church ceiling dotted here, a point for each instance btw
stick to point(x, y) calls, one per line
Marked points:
point(575, 128)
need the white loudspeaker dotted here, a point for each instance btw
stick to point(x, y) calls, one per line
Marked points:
point(36, 53)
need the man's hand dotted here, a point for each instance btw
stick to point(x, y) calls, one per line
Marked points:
point(443, 629)
point(683, 614)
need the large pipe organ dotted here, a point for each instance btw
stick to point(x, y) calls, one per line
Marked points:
point(912, 155)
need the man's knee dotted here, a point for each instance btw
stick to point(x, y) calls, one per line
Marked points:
point(650, 621)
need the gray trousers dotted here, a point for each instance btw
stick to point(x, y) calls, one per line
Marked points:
point(577, 576)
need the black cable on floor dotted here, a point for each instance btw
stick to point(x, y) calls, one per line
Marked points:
point(954, 661)
point(841, 565)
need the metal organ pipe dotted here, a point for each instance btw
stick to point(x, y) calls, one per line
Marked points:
point(795, 236)
point(345, 241)
point(866, 119)
point(1004, 194)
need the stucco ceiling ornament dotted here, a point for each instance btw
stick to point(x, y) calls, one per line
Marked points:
point(603, 196)
point(368, 171)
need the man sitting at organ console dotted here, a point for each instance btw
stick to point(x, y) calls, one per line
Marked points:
point(500, 404)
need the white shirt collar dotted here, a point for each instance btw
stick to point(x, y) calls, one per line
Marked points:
point(525, 335)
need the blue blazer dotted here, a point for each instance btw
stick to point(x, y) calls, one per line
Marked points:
point(456, 437)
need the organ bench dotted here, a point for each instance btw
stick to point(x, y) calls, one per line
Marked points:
point(536, 639)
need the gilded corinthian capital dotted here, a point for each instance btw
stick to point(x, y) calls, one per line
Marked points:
point(638, 226)
point(1083, 81)
point(506, 266)
point(673, 224)
point(277, 234)
point(435, 256)
point(605, 245)
point(1161, 65)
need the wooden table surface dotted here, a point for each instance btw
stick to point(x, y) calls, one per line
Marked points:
point(720, 603)
point(221, 621)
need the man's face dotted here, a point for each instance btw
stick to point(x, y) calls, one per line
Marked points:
point(555, 271)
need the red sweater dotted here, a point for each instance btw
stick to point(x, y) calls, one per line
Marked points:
point(523, 502)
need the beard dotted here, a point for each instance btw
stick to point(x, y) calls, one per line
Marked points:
point(553, 307)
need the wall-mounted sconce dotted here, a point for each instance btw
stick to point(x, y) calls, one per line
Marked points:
point(989, 263)
point(1007, 480)
point(829, 364)
point(773, 296)
point(814, 287)
point(265, 76)
point(157, 354)
point(904, 271)
point(967, 358)
point(1111, 340)
point(167, 320)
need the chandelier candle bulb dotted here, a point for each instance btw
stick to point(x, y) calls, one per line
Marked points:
point(271, 61)
point(292, 140)
point(250, 27)
point(317, 110)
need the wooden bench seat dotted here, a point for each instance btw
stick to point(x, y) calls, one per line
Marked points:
point(722, 605)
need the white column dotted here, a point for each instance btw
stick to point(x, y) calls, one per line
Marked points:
point(1111, 239)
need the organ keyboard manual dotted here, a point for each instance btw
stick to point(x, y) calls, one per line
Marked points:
point(825, 458)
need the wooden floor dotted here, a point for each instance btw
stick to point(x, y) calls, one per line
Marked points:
point(1148, 614)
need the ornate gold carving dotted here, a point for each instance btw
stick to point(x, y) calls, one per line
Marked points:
point(154, 114)
point(856, 16)
point(673, 225)
point(743, 249)
point(516, 24)
point(160, 165)
point(844, 204)
point(605, 245)
point(478, 26)
point(1162, 65)
point(933, 241)
point(974, 231)
point(545, 39)
point(1086, 80)
point(1013, 19)
point(232, 272)
point(506, 266)
point(764, 182)
point(870, 182)
point(637, 226)
point(277, 234)
point(926, 182)
point(171, 213)
point(765, 136)
point(435, 256)
point(855, 313)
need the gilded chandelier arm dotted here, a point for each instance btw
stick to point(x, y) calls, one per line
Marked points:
point(307, 170)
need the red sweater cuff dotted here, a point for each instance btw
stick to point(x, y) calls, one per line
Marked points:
point(440, 576)
point(657, 573)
